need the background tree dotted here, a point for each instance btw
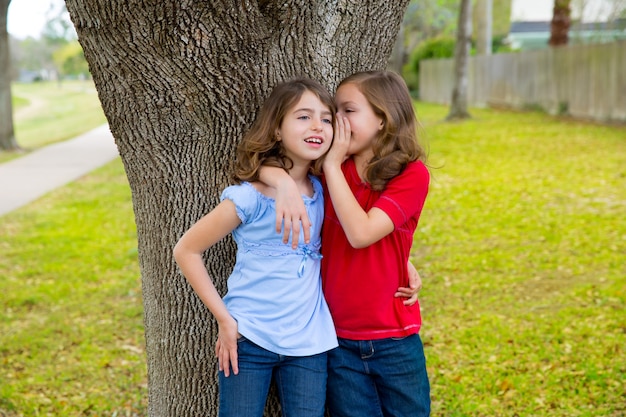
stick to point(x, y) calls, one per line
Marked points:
point(458, 105)
point(483, 24)
point(58, 29)
point(500, 21)
point(61, 54)
point(36, 56)
point(561, 21)
point(55, 53)
point(70, 60)
point(429, 29)
point(7, 133)
point(31, 55)
point(179, 82)
point(428, 19)
point(426, 24)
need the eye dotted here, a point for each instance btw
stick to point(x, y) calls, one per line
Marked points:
point(304, 117)
point(328, 121)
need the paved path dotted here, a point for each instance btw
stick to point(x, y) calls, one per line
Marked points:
point(25, 179)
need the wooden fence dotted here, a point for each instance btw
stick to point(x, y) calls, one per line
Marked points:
point(584, 81)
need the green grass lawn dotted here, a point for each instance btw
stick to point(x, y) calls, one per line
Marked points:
point(71, 339)
point(521, 247)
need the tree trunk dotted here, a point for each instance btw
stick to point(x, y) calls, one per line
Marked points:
point(398, 53)
point(561, 21)
point(484, 26)
point(458, 106)
point(180, 81)
point(7, 133)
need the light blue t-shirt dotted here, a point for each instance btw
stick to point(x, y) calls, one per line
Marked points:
point(274, 291)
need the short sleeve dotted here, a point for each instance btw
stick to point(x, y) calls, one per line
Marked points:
point(404, 195)
point(245, 199)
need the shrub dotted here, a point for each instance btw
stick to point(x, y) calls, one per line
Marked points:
point(439, 47)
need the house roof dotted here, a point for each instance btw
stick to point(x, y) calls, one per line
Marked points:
point(544, 26)
point(525, 27)
point(535, 34)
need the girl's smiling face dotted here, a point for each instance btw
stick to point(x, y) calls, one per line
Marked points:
point(364, 122)
point(306, 130)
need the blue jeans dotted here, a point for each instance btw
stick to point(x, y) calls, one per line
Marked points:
point(376, 378)
point(300, 382)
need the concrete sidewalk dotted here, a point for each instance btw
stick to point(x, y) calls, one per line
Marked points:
point(25, 179)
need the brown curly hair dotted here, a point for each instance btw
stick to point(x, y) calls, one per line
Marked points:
point(260, 146)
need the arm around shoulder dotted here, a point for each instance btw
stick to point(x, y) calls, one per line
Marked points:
point(290, 209)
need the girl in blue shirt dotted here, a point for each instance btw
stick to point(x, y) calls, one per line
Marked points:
point(273, 322)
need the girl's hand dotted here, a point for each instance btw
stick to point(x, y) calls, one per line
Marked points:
point(226, 347)
point(290, 212)
point(415, 285)
point(341, 141)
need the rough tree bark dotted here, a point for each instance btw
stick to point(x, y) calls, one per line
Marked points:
point(561, 21)
point(7, 133)
point(458, 106)
point(179, 82)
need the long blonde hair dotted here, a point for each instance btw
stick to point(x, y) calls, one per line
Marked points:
point(260, 146)
point(396, 144)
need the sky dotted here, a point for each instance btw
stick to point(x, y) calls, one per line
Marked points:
point(28, 17)
point(593, 10)
point(530, 10)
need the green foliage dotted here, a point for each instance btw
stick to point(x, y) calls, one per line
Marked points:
point(501, 17)
point(500, 46)
point(429, 29)
point(521, 249)
point(439, 47)
point(70, 60)
point(59, 54)
point(428, 19)
point(38, 55)
point(425, 19)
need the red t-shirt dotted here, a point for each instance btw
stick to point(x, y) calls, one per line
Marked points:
point(359, 284)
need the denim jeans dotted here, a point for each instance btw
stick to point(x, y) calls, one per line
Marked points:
point(300, 382)
point(376, 378)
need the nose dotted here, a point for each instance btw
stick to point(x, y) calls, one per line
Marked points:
point(317, 124)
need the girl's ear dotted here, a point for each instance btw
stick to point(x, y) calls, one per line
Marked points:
point(277, 134)
point(382, 124)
